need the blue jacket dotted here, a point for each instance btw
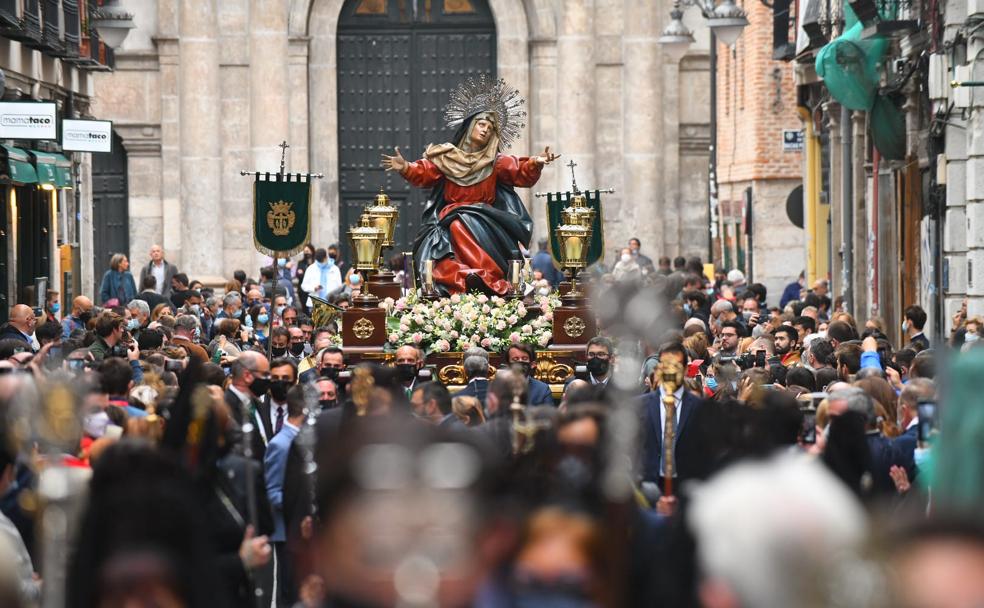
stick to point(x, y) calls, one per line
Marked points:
point(538, 393)
point(275, 469)
point(116, 284)
point(790, 293)
point(477, 388)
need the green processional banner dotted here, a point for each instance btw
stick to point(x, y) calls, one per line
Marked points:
point(556, 202)
point(281, 214)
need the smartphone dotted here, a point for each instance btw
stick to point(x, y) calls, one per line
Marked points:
point(809, 429)
point(760, 358)
point(76, 364)
point(928, 423)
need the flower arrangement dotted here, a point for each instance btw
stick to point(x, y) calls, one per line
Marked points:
point(460, 321)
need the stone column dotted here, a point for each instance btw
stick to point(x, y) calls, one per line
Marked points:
point(269, 107)
point(543, 123)
point(575, 109)
point(610, 85)
point(234, 76)
point(646, 112)
point(200, 141)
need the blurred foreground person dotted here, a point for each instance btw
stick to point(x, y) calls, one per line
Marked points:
point(777, 534)
point(408, 517)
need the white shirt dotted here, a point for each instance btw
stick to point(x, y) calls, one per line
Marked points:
point(312, 278)
point(158, 271)
point(676, 422)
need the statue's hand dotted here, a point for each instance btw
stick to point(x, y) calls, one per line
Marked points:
point(546, 158)
point(395, 163)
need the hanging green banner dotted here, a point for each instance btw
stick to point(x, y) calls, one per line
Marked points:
point(281, 215)
point(556, 203)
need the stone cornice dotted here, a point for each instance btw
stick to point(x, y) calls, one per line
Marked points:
point(140, 139)
point(137, 61)
point(695, 139)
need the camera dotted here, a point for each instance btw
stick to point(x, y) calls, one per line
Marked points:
point(808, 431)
point(927, 413)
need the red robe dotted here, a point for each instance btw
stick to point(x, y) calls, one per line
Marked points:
point(469, 257)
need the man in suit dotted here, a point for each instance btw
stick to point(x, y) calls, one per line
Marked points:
point(409, 362)
point(543, 262)
point(21, 325)
point(276, 462)
point(270, 413)
point(916, 390)
point(477, 374)
point(162, 271)
point(250, 381)
point(884, 452)
point(523, 355)
point(912, 328)
point(654, 422)
point(431, 401)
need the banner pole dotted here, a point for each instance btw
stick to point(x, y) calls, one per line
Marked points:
point(273, 298)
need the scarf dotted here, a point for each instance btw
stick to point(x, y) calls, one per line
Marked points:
point(324, 268)
point(459, 163)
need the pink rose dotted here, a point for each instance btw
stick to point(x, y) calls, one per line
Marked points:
point(417, 338)
point(394, 338)
point(486, 342)
point(514, 337)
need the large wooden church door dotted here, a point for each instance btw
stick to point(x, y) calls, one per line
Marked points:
point(397, 62)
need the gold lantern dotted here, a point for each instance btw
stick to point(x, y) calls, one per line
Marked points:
point(579, 213)
point(383, 216)
point(574, 241)
point(367, 243)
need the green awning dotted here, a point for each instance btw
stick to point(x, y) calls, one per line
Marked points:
point(63, 172)
point(17, 166)
point(44, 163)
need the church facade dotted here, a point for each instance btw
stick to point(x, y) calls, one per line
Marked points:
point(206, 88)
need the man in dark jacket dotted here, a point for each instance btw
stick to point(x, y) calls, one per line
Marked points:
point(21, 325)
point(653, 423)
point(162, 271)
point(537, 392)
point(543, 262)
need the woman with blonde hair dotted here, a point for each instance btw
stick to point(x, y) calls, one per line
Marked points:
point(159, 311)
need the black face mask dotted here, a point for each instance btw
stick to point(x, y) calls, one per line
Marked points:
point(84, 317)
point(278, 352)
point(327, 404)
point(278, 390)
point(598, 367)
point(330, 372)
point(406, 372)
point(526, 366)
point(259, 386)
point(297, 349)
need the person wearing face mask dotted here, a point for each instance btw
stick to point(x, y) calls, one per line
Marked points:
point(250, 374)
point(627, 269)
point(185, 328)
point(912, 327)
point(322, 277)
point(296, 344)
point(327, 393)
point(271, 412)
point(972, 333)
point(524, 356)
point(279, 342)
point(52, 305)
point(80, 315)
point(139, 317)
point(408, 363)
point(601, 356)
point(261, 324)
point(21, 325)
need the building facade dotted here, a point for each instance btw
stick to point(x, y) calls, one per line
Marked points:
point(204, 89)
point(757, 169)
point(47, 56)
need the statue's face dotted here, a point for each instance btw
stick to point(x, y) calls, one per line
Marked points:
point(481, 133)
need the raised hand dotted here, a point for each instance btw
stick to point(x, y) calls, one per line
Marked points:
point(546, 158)
point(395, 163)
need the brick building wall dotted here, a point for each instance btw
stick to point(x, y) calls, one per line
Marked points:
point(756, 101)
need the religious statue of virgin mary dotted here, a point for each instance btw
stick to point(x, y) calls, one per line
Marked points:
point(474, 221)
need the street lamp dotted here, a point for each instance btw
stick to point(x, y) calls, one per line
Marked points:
point(112, 23)
point(726, 20)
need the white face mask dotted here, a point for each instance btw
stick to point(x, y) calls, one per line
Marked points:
point(905, 326)
point(626, 257)
point(969, 337)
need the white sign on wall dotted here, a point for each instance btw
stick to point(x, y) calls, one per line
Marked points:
point(28, 120)
point(87, 135)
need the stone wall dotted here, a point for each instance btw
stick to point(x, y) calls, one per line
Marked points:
point(756, 100)
point(206, 88)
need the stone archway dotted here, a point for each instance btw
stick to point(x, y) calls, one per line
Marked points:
point(317, 21)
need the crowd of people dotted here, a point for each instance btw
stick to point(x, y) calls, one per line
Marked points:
point(233, 455)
